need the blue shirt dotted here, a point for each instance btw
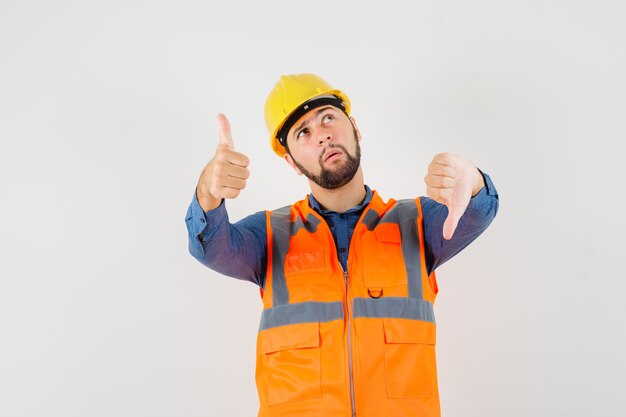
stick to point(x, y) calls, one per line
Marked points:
point(342, 224)
point(238, 249)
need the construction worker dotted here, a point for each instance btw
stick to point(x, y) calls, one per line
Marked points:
point(347, 280)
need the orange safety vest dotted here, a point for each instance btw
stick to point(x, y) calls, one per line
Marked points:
point(354, 343)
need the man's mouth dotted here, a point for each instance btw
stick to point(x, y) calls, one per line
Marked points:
point(332, 154)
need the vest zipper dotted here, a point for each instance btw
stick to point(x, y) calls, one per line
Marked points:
point(345, 275)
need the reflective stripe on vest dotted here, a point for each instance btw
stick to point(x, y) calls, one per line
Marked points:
point(313, 311)
point(394, 307)
point(282, 230)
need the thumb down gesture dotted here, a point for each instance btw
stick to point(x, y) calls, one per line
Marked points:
point(452, 181)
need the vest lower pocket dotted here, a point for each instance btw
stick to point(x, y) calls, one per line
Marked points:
point(410, 364)
point(292, 356)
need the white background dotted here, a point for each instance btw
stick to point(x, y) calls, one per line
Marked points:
point(107, 117)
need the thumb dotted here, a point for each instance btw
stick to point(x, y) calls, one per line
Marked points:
point(454, 215)
point(225, 135)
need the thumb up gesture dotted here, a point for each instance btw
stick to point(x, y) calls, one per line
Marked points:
point(451, 180)
point(225, 175)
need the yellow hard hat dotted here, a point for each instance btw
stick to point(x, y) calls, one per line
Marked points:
point(293, 96)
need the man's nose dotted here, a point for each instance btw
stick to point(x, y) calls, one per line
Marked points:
point(323, 136)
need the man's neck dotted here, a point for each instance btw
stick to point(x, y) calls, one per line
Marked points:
point(343, 198)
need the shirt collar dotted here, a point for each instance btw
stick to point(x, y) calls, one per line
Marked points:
point(316, 206)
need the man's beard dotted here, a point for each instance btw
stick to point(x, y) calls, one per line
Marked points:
point(331, 179)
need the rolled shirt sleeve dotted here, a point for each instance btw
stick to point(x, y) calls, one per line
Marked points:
point(478, 215)
point(237, 250)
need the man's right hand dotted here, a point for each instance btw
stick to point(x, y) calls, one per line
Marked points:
point(225, 175)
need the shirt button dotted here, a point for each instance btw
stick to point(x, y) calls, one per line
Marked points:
point(202, 220)
point(342, 250)
point(341, 215)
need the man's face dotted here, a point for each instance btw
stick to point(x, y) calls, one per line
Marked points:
point(324, 146)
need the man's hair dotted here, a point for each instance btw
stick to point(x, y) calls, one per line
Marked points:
point(287, 148)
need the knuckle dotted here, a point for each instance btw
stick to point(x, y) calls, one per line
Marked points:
point(227, 154)
point(444, 157)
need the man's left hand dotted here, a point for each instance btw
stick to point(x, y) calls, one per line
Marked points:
point(452, 180)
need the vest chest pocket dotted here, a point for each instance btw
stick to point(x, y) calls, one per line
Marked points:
point(306, 261)
point(410, 364)
point(383, 264)
point(292, 359)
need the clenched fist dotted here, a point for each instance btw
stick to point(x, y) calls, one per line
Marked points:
point(225, 175)
point(451, 180)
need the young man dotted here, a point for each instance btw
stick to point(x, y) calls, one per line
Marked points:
point(347, 280)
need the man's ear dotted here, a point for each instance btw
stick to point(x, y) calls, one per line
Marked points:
point(358, 132)
point(289, 160)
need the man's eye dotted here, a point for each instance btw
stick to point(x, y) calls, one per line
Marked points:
point(328, 117)
point(303, 131)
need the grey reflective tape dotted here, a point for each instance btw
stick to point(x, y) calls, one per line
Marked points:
point(411, 246)
point(404, 214)
point(307, 312)
point(393, 307)
point(370, 220)
point(282, 230)
point(311, 224)
point(280, 224)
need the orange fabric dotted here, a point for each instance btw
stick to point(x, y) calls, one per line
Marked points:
point(303, 369)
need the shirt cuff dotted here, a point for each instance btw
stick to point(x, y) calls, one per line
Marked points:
point(201, 224)
point(488, 189)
